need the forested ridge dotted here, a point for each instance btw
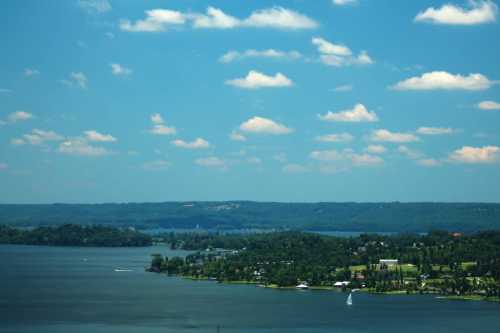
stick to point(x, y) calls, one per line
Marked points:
point(394, 216)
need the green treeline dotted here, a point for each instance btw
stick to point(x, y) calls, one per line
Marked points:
point(440, 262)
point(74, 235)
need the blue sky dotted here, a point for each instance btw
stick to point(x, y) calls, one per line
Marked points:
point(325, 100)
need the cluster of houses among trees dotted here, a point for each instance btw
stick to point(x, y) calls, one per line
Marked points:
point(439, 262)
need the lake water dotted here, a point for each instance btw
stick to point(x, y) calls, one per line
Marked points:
point(55, 290)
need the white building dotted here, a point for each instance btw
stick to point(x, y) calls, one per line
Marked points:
point(388, 262)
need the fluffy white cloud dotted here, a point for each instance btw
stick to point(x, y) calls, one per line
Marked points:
point(276, 17)
point(279, 18)
point(295, 168)
point(80, 147)
point(95, 6)
point(344, 2)
point(119, 70)
point(339, 55)
point(235, 136)
point(435, 130)
point(198, 143)
point(215, 19)
point(37, 137)
point(31, 72)
point(159, 165)
point(440, 80)
point(384, 135)
point(261, 125)
point(325, 47)
point(375, 149)
point(257, 80)
point(340, 137)
point(211, 162)
point(410, 153)
point(163, 130)
point(19, 116)
point(358, 114)
point(156, 20)
point(346, 157)
point(343, 88)
point(95, 136)
point(428, 162)
point(77, 78)
point(478, 12)
point(269, 53)
point(473, 155)
point(159, 126)
point(157, 119)
point(489, 105)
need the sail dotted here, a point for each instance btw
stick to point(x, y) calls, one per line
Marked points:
point(349, 299)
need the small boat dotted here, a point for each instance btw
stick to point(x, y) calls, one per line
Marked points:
point(349, 299)
point(302, 286)
point(122, 270)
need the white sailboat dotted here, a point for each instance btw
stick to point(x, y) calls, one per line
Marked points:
point(349, 299)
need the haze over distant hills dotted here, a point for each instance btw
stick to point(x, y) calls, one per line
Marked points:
point(395, 216)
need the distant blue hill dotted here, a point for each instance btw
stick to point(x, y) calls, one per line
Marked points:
point(395, 216)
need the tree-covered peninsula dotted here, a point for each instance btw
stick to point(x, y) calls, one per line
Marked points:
point(439, 262)
point(74, 235)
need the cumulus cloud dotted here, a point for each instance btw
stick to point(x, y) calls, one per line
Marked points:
point(343, 88)
point(478, 12)
point(156, 20)
point(260, 125)
point(80, 147)
point(159, 126)
point(375, 149)
point(95, 6)
point(95, 136)
point(409, 152)
point(428, 162)
point(476, 155)
point(198, 143)
point(276, 17)
point(435, 130)
point(440, 80)
point(384, 135)
point(215, 19)
point(295, 168)
point(235, 136)
point(37, 137)
point(257, 80)
point(339, 55)
point(158, 165)
point(211, 162)
point(346, 158)
point(344, 2)
point(17, 116)
point(489, 105)
point(77, 78)
point(119, 70)
point(28, 72)
point(357, 114)
point(269, 53)
point(336, 138)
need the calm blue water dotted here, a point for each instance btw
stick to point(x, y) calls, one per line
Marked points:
point(55, 290)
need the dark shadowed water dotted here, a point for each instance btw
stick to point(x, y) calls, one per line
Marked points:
point(55, 290)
